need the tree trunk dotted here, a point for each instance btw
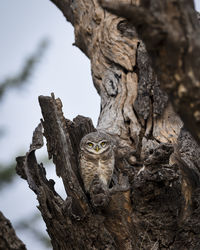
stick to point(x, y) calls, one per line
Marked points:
point(171, 32)
point(153, 199)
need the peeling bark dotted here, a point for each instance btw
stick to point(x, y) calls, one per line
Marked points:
point(153, 199)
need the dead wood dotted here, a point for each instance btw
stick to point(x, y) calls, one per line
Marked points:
point(153, 199)
point(171, 33)
point(8, 237)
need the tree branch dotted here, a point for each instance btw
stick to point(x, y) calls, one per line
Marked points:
point(150, 203)
point(8, 238)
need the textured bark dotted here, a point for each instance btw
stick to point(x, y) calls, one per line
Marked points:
point(8, 238)
point(153, 199)
point(171, 32)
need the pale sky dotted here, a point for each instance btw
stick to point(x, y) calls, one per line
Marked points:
point(64, 70)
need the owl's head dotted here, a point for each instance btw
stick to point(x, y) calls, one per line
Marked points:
point(96, 142)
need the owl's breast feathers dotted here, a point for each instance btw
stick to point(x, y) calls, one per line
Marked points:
point(101, 165)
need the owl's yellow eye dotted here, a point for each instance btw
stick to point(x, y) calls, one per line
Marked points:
point(103, 144)
point(90, 144)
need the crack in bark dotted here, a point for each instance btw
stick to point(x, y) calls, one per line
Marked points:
point(157, 196)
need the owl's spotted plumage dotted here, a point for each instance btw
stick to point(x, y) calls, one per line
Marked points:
point(96, 158)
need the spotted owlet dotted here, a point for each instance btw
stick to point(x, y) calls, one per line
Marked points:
point(96, 158)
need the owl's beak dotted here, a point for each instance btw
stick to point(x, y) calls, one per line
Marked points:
point(97, 148)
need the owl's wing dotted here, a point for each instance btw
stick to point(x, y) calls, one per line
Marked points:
point(88, 170)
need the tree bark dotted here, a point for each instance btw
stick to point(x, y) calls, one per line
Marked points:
point(171, 32)
point(153, 200)
point(8, 238)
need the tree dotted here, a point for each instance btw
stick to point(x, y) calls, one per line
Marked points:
point(153, 200)
point(171, 34)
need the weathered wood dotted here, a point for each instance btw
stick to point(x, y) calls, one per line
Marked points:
point(153, 199)
point(78, 227)
point(8, 237)
point(121, 73)
point(171, 33)
point(60, 148)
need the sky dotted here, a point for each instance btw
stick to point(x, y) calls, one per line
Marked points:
point(64, 70)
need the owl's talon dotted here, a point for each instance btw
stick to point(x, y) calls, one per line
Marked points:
point(100, 197)
point(100, 200)
point(99, 193)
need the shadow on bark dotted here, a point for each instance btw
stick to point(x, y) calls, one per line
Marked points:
point(152, 204)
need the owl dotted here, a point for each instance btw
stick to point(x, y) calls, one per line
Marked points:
point(97, 158)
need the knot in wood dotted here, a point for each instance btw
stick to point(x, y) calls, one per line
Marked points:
point(110, 81)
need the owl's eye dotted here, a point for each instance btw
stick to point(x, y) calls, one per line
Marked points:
point(90, 144)
point(103, 143)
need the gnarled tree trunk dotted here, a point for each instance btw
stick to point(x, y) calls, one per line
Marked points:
point(154, 193)
point(171, 32)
